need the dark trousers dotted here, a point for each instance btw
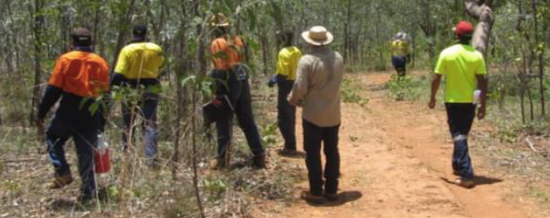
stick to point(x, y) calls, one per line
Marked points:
point(313, 137)
point(286, 116)
point(146, 110)
point(85, 140)
point(245, 117)
point(400, 65)
point(460, 119)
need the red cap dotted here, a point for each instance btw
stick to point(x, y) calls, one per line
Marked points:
point(464, 28)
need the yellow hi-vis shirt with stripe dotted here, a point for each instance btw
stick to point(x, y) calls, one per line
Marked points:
point(140, 60)
point(460, 64)
point(399, 48)
point(287, 62)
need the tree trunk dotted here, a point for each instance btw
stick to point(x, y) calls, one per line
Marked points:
point(37, 30)
point(64, 31)
point(14, 38)
point(181, 71)
point(381, 63)
point(484, 14)
point(540, 54)
point(265, 51)
point(428, 27)
point(98, 43)
point(523, 65)
point(202, 69)
point(124, 21)
point(346, 32)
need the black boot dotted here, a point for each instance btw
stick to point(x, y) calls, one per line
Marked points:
point(259, 161)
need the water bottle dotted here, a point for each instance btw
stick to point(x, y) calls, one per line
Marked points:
point(101, 155)
point(477, 96)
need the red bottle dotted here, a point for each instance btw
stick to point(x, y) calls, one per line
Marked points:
point(101, 156)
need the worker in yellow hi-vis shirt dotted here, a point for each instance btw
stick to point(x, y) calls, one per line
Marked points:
point(400, 54)
point(464, 70)
point(287, 63)
point(138, 67)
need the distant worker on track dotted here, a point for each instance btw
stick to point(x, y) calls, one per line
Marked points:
point(232, 92)
point(78, 79)
point(400, 54)
point(317, 91)
point(138, 68)
point(287, 63)
point(464, 70)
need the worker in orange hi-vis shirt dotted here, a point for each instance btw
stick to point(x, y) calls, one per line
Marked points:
point(78, 79)
point(232, 93)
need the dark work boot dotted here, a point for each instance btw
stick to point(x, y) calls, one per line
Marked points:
point(61, 181)
point(259, 161)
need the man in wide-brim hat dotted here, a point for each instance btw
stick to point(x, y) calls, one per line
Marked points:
point(232, 90)
point(317, 91)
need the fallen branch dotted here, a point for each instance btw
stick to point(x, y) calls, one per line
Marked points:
point(22, 160)
point(531, 145)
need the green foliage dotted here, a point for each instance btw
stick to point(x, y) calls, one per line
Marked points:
point(181, 206)
point(541, 194)
point(351, 92)
point(113, 192)
point(269, 134)
point(215, 186)
point(13, 186)
point(404, 88)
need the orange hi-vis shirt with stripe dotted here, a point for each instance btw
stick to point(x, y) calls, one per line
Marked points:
point(226, 55)
point(81, 73)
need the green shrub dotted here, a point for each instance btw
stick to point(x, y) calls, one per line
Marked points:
point(350, 93)
point(405, 88)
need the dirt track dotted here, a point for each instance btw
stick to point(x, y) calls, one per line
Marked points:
point(395, 163)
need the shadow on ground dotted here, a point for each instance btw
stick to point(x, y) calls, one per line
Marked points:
point(65, 205)
point(295, 155)
point(478, 180)
point(343, 198)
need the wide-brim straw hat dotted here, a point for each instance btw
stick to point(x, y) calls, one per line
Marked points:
point(220, 20)
point(81, 34)
point(318, 35)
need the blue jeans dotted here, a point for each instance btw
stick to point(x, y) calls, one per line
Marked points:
point(85, 139)
point(460, 119)
point(286, 116)
point(314, 138)
point(243, 111)
point(146, 110)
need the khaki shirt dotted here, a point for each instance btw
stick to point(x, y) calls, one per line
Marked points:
point(317, 87)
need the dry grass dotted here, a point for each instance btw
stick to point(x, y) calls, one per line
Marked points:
point(25, 171)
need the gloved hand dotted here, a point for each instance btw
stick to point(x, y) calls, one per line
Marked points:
point(272, 81)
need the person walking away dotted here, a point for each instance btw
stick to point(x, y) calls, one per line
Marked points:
point(231, 82)
point(317, 91)
point(78, 79)
point(287, 63)
point(137, 68)
point(400, 54)
point(464, 70)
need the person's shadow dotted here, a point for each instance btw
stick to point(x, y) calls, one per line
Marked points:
point(65, 205)
point(478, 180)
point(343, 198)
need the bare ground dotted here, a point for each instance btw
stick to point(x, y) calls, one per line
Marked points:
point(396, 163)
